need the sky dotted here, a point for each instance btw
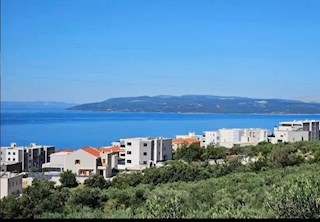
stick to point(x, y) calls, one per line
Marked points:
point(90, 50)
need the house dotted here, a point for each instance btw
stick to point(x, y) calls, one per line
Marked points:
point(57, 161)
point(178, 142)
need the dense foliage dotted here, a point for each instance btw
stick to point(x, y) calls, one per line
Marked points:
point(68, 179)
point(283, 182)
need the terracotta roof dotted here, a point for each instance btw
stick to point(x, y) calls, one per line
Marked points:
point(64, 150)
point(92, 151)
point(185, 140)
point(112, 149)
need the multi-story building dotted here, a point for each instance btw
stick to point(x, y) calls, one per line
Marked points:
point(234, 137)
point(86, 161)
point(142, 152)
point(30, 156)
point(10, 184)
point(210, 138)
point(293, 131)
point(313, 126)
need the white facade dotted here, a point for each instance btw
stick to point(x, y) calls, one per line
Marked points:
point(57, 162)
point(289, 131)
point(230, 137)
point(144, 152)
point(210, 138)
point(81, 162)
point(11, 184)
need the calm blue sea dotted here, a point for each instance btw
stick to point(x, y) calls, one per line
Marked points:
point(75, 129)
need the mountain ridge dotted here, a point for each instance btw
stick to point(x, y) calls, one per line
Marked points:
point(201, 104)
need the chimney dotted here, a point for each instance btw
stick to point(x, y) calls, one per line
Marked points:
point(13, 144)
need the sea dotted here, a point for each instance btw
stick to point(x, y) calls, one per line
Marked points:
point(75, 129)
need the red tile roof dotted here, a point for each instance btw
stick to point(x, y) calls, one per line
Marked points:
point(112, 149)
point(92, 151)
point(185, 140)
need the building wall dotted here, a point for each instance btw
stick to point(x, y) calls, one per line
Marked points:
point(210, 137)
point(87, 162)
point(143, 150)
point(281, 136)
point(11, 185)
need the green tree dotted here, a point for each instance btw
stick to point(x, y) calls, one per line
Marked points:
point(91, 197)
point(68, 179)
point(189, 153)
point(10, 207)
point(215, 153)
point(98, 181)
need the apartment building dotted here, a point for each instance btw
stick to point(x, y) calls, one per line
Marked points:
point(30, 156)
point(234, 137)
point(10, 184)
point(313, 126)
point(293, 131)
point(210, 138)
point(142, 152)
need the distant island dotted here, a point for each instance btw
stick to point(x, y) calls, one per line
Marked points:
point(201, 104)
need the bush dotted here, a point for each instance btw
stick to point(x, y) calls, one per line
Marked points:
point(97, 181)
point(298, 198)
point(68, 179)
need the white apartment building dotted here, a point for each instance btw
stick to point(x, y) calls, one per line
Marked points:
point(143, 152)
point(10, 184)
point(290, 131)
point(234, 136)
point(30, 156)
point(210, 138)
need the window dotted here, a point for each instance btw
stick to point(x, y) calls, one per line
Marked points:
point(104, 161)
point(144, 162)
point(128, 152)
point(128, 161)
point(164, 157)
point(77, 162)
point(9, 159)
point(144, 153)
point(145, 144)
point(14, 153)
point(8, 153)
point(14, 159)
point(17, 183)
point(122, 154)
point(128, 143)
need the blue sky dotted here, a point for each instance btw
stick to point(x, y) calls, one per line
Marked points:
point(91, 50)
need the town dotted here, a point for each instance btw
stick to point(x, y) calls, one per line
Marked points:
point(21, 164)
